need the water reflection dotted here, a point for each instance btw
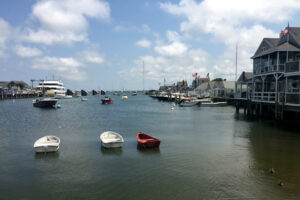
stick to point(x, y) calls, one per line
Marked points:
point(277, 148)
point(44, 156)
point(148, 151)
point(111, 151)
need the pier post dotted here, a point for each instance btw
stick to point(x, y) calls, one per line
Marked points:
point(237, 107)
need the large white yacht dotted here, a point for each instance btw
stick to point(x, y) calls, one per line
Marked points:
point(57, 87)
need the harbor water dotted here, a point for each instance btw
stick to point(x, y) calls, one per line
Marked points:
point(206, 153)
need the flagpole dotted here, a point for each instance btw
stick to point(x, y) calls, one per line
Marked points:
point(288, 38)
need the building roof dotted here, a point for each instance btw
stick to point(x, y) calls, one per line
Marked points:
point(245, 77)
point(203, 86)
point(229, 84)
point(288, 42)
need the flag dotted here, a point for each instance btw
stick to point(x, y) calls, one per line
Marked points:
point(285, 31)
point(194, 74)
point(207, 76)
point(159, 83)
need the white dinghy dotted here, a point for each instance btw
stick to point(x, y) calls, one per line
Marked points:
point(49, 143)
point(111, 139)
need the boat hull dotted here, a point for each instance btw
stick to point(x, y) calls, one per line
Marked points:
point(147, 141)
point(112, 145)
point(107, 101)
point(46, 149)
point(51, 103)
point(217, 104)
point(190, 104)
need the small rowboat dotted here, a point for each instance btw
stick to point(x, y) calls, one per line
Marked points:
point(49, 143)
point(111, 139)
point(147, 141)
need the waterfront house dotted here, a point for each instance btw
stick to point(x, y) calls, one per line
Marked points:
point(276, 69)
point(244, 85)
point(182, 86)
point(168, 88)
point(216, 88)
point(223, 89)
point(198, 81)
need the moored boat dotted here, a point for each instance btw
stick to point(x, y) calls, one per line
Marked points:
point(213, 104)
point(107, 100)
point(190, 103)
point(110, 139)
point(45, 103)
point(62, 96)
point(124, 96)
point(84, 99)
point(49, 143)
point(147, 141)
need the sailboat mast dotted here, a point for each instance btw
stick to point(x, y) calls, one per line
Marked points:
point(236, 55)
point(143, 77)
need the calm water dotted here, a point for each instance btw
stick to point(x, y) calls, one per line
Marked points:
point(206, 153)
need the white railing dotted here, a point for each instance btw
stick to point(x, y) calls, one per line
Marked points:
point(264, 96)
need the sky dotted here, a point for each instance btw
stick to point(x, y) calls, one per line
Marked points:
point(99, 44)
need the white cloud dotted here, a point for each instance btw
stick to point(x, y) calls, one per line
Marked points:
point(232, 22)
point(64, 21)
point(71, 68)
point(5, 30)
point(173, 36)
point(144, 28)
point(174, 49)
point(26, 52)
point(143, 43)
point(91, 57)
point(66, 67)
point(173, 68)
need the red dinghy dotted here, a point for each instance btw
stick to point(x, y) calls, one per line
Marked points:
point(145, 140)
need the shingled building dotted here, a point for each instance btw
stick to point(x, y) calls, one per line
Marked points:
point(276, 69)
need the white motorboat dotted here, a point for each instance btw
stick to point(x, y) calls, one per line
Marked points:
point(213, 104)
point(124, 96)
point(49, 143)
point(190, 103)
point(63, 96)
point(84, 99)
point(111, 139)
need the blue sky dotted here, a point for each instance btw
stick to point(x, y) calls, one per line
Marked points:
point(97, 44)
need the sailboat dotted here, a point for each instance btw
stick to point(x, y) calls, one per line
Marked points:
point(124, 95)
